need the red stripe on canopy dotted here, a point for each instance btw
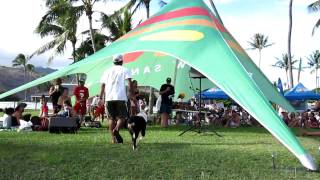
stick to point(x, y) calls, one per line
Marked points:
point(130, 57)
point(191, 11)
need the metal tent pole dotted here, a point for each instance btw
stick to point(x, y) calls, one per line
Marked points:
point(215, 11)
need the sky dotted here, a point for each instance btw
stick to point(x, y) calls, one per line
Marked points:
point(243, 18)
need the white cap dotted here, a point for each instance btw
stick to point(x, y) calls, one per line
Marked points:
point(117, 58)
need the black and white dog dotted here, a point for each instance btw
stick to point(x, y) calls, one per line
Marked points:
point(136, 125)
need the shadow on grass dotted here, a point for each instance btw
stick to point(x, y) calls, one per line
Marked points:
point(232, 144)
point(218, 129)
point(92, 130)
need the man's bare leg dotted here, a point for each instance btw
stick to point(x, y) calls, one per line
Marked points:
point(116, 129)
point(119, 124)
point(112, 125)
point(164, 119)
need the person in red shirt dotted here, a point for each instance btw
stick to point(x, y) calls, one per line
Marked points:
point(44, 107)
point(82, 94)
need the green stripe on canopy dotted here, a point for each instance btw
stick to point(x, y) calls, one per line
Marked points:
point(205, 45)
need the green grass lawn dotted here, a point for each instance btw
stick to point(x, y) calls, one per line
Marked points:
point(243, 153)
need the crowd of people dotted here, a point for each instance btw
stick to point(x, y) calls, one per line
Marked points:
point(235, 116)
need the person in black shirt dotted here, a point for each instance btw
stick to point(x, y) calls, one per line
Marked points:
point(55, 92)
point(166, 92)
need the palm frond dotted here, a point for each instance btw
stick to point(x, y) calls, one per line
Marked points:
point(315, 26)
point(30, 67)
point(60, 21)
point(58, 50)
point(259, 41)
point(19, 60)
point(313, 7)
point(49, 29)
point(50, 45)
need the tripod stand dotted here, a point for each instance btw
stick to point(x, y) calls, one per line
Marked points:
point(198, 124)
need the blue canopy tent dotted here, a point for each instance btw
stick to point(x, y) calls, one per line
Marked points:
point(301, 93)
point(213, 93)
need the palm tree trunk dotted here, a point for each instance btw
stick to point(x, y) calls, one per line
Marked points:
point(74, 52)
point(91, 33)
point(75, 59)
point(259, 58)
point(316, 79)
point(299, 70)
point(289, 45)
point(25, 81)
point(148, 10)
point(287, 78)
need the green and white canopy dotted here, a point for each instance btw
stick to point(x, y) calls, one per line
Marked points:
point(188, 31)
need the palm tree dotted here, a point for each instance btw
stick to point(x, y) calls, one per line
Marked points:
point(314, 63)
point(283, 63)
point(315, 7)
point(85, 47)
point(117, 25)
point(88, 7)
point(259, 41)
point(22, 61)
point(145, 4)
point(30, 69)
point(60, 22)
point(289, 45)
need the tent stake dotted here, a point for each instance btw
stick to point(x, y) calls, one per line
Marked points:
point(273, 162)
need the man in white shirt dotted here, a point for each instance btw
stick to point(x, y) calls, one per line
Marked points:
point(113, 89)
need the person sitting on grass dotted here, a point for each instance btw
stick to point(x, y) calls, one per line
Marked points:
point(293, 121)
point(234, 120)
point(312, 122)
point(44, 107)
point(304, 119)
point(99, 111)
point(65, 96)
point(94, 104)
point(285, 117)
point(17, 115)
point(25, 123)
point(6, 118)
point(67, 110)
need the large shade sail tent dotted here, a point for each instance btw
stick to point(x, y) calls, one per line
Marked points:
point(188, 32)
point(301, 93)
